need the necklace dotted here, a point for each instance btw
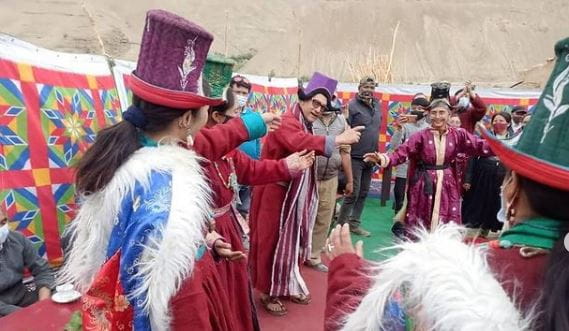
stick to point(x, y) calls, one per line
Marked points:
point(231, 179)
point(231, 183)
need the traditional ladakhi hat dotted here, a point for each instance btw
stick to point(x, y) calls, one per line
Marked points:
point(440, 90)
point(172, 56)
point(542, 153)
point(319, 83)
point(218, 71)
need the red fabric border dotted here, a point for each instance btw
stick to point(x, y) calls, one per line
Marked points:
point(528, 166)
point(169, 98)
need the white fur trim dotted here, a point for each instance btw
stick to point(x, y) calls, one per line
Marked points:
point(448, 286)
point(168, 257)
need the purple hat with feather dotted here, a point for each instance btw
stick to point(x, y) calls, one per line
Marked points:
point(319, 83)
point(172, 56)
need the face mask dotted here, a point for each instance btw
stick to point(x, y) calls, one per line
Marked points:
point(418, 113)
point(241, 100)
point(500, 127)
point(463, 103)
point(365, 95)
point(4, 231)
point(502, 217)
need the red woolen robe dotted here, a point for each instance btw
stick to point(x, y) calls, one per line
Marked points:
point(235, 274)
point(268, 205)
point(348, 281)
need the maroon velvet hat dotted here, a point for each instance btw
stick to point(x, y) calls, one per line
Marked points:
point(172, 56)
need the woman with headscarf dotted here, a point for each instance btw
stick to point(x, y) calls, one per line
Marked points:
point(518, 282)
point(482, 183)
point(433, 195)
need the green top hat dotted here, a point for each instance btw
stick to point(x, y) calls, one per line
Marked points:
point(542, 153)
point(218, 71)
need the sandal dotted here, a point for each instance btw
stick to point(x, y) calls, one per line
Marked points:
point(278, 309)
point(301, 299)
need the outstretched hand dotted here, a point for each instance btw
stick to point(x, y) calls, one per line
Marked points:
point(340, 243)
point(350, 136)
point(273, 121)
point(372, 157)
point(224, 251)
point(300, 161)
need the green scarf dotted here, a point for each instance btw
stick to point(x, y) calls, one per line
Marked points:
point(535, 232)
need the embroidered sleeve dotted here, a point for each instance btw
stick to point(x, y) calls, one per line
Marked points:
point(150, 211)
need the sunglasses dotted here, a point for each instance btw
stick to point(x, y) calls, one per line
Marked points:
point(240, 80)
point(318, 105)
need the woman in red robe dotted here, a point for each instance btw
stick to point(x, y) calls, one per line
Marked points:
point(282, 214)
point(139, 252)
point(518, 282)
point(224, 173)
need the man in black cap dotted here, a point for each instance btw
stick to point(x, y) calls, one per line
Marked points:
point(363, 111)
point(518, 115)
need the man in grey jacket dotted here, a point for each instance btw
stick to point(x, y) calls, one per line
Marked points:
point(17, 253)
point(332, 123)
point(363, 111)
point(405, 127)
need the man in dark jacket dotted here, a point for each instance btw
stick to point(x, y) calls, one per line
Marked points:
point(17, 253)
point(363, 111)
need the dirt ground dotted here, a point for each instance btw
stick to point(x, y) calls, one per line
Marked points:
point(492, 43)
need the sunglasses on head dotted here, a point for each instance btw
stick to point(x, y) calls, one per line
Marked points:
point(240, 80)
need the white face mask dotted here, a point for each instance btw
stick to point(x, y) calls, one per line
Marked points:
point(4, 231)
point(502, 217)
point(242, 100)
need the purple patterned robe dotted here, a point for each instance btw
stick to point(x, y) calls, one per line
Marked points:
point(433, 193)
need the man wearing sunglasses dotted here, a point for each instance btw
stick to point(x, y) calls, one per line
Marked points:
point(363, 111)
point(17, 253)
point(241, 87)
point(283, 214)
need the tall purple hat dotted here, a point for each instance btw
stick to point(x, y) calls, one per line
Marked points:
point(172, 56)
point(319, 83)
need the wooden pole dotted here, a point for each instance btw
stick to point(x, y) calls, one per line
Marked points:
point(299, 52)
point(226, 32)
point(385, 185)
point(388, 72)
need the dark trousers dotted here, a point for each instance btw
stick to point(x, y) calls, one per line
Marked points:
point(16, 297)
point(245, 197)
point(399, 193)
point(353, 205)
